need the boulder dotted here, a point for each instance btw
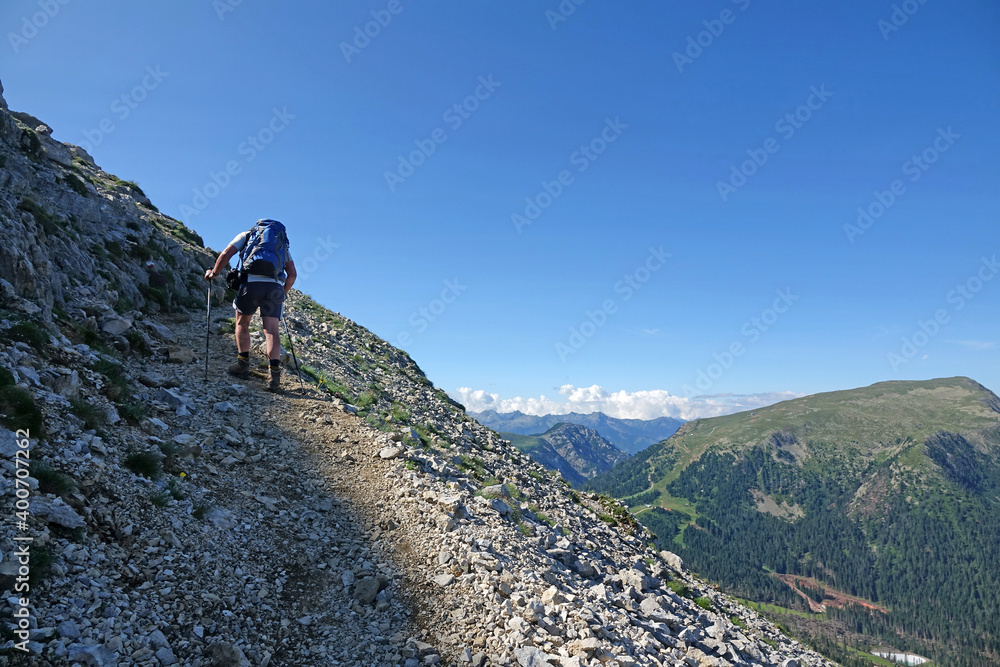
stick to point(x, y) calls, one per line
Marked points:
point(57, 512)
point(389, 453)
point(495, 491)
point(92, 655)
point(55, 150)
point(62, 381)
point(180, 355)
point(115, 326)
point(225, 654)
point(172, 397)
point(365, 590)
point(673, 560)
point(161, 331)
point(529, 656)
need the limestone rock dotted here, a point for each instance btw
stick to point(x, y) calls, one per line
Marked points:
point(57, 512)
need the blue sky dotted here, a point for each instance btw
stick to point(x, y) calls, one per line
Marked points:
point(649, 208)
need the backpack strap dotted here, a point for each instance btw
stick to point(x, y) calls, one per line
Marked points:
point(246, 246)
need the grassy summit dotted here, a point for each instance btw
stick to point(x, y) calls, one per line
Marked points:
point(888, 493)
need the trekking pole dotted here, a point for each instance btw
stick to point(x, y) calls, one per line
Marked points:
point(291, 348)
point(208, 329)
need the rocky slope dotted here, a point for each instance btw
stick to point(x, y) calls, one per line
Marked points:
point(364, 519)
point(576, 452)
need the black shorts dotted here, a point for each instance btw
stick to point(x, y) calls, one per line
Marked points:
point(269, 297)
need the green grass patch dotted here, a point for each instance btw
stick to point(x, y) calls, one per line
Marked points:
point(175, 490)
point(160, 498)
point(41, 563)
point(200, 510)
point(679, 587)
point(117, 386)
point(30, 143)
point(146, 464)
point(93, 417)
point(615, 513)
point(133, 411)
point(51, 480)
point(18, 411)
point(76, 185)
point(545, 518)
point(400, 414)
point(772, 609)
point(328, 384)
point(704, 603)
point(40, 215)
point(29, 333)
point(137, 342)
point(131, 185)
point(516, 493)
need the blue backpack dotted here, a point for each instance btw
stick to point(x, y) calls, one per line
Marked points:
point(266, 250)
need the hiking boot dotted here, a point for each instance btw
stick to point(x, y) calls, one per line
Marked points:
point(274, 379)
point(241, 368)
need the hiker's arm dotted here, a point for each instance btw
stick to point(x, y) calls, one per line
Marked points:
point(289, 275)
point(223, 260)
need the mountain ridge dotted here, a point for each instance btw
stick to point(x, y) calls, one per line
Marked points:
point(628, 435)
point(842, 486)
point(577, 452)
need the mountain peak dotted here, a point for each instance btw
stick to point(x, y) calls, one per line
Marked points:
point(844, 491)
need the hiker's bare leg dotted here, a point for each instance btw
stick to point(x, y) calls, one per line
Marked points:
point(271, 334)
point(243, 332)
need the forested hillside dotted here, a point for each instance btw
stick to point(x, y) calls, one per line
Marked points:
point(888, 493)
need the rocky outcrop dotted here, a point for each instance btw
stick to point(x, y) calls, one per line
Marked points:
point(576, 452)
point(363, 519)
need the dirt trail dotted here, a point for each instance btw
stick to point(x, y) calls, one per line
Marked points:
point(312, 509)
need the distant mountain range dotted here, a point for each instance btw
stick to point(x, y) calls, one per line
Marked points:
point(882, 504)
point(577, 452)
point(628, 435)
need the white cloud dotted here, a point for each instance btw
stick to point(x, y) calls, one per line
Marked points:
point(643, 404)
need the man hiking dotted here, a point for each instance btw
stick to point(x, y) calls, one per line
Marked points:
point(267, 273)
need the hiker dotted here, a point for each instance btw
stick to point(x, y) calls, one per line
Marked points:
point(267, 273)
